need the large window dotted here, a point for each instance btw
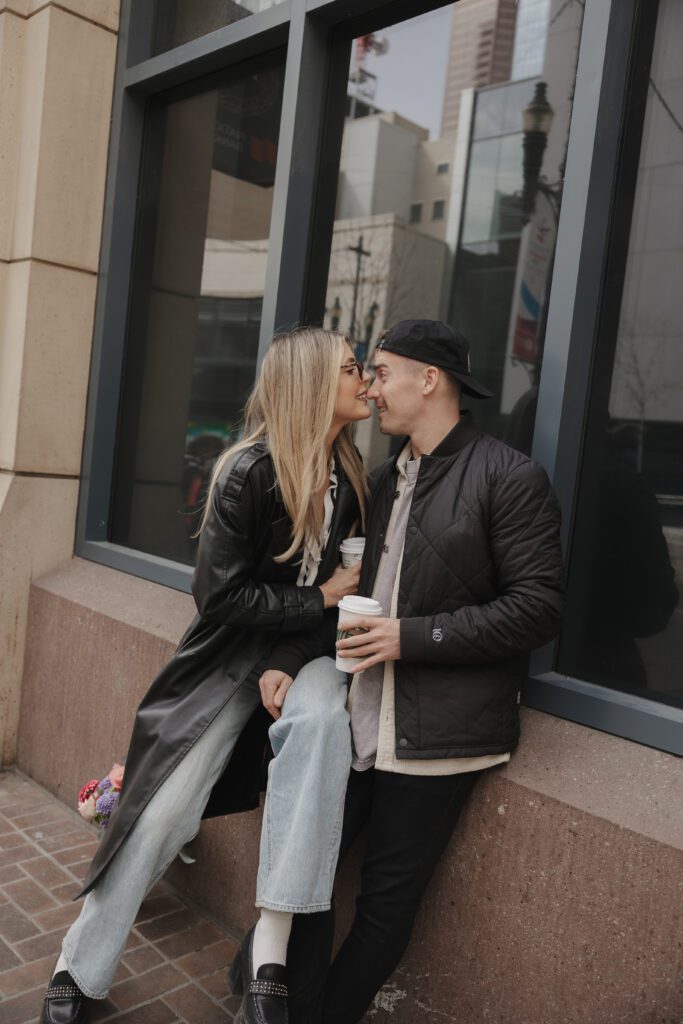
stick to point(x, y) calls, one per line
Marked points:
point(434, 109)
point(624, 626)
point(399, 162)
point(199, 272)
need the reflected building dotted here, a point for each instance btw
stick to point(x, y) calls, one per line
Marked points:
point(206, 197)
point(481, 48)
point(503, 264)
point(528, 55)
point(180, 21)
point(389, 249)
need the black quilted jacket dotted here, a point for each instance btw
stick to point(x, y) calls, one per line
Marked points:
point(481, 585)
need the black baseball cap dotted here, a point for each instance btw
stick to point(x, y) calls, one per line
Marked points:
point(435, 343)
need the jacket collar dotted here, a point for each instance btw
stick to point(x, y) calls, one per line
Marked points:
point(464, 431)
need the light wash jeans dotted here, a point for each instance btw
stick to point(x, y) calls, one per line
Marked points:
point(301, 825)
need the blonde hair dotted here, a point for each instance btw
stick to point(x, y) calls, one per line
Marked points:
point(292, 407)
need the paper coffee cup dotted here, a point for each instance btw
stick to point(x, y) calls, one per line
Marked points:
point(351, 551)
point(353, 609)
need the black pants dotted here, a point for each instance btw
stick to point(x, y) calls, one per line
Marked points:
point(410, 819)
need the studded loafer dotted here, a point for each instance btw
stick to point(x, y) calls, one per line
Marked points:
point(265, 995)
point(64, 1002)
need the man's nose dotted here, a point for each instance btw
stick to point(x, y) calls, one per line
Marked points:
point(373, 390)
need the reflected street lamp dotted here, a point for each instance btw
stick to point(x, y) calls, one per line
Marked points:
point(335, 314)
point(369, 322)
point(537, 119)
point(363, 346)
point(359, 252)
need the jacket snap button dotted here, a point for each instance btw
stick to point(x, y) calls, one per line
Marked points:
point(397, 494)
point(403, 742)
point(412, 529)
point(385, 549)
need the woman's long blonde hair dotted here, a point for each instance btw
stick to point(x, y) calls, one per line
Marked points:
point(292, 405)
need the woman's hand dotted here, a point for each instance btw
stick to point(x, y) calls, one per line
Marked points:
point(342, 582)
point(273, 686)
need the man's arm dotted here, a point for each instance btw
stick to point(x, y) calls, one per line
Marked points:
point(526, 554)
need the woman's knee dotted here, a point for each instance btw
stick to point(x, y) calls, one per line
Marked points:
point(319, 689)
point(315, 704)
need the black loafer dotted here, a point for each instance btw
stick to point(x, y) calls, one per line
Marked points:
point(64, 1002)
point(265, 996)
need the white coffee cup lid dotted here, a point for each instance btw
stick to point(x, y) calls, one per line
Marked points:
point(360, 605)
point(353, 542)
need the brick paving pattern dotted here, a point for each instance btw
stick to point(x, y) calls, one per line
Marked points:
point(175, 962)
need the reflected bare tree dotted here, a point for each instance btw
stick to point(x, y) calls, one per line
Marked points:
point(639, 372)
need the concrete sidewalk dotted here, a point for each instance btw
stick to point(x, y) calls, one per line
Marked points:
point(175, 962)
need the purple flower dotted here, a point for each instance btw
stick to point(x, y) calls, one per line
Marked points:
point(105, 784)
point(106, 804)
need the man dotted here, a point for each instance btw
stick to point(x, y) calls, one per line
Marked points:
point(463, 553)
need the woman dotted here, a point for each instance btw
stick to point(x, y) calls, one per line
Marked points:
point(266, 586)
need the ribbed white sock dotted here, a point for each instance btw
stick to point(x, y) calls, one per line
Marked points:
point(271, 936)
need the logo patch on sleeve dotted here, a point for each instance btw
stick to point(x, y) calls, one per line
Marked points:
point(437, 635)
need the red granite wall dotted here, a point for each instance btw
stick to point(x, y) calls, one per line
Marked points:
point(559, 898)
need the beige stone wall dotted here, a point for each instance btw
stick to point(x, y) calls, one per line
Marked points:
point(56, 78)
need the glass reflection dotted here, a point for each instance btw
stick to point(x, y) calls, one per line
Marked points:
point(199, 274)
point(624, 626)
point(435, 215)
point(179, 21)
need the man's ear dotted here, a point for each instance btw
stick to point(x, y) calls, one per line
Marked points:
point(430, 380)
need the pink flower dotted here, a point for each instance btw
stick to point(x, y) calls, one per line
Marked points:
point(116, 776)
point(86, 808)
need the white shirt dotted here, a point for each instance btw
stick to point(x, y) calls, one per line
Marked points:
point(313, 550)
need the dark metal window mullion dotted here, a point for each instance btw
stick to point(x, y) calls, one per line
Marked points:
point(109, 330)
point(212, 52)
point(310, 73)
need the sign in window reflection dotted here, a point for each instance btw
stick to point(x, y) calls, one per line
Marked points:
point(450, 188)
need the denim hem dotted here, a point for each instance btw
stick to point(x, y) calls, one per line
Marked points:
point(84, 988)
point(294, 908)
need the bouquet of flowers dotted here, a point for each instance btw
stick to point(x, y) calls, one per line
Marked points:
point(97, 799)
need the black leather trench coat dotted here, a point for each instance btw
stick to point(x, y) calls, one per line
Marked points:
point(249, 609)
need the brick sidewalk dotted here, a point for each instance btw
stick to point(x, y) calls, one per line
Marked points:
point(175, 961)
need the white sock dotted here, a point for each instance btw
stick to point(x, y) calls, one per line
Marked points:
point(271, 936)
point(61, 965)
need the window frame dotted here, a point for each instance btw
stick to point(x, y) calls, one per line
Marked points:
point(318, 35)
point(587, 255)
